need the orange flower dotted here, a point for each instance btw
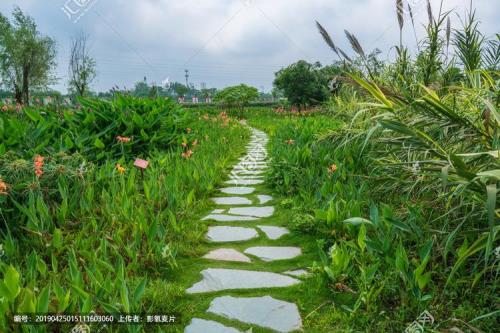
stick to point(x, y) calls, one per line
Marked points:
point(290, 142)
point(38, 163)
point(331, 169)
point(123, 139)
point(121, 170)
point(5, 108)
point(3, 187)
point(188, 130)
point(187, 155)
point(195, 143)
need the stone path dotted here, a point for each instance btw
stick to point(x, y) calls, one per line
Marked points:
point(241, 203)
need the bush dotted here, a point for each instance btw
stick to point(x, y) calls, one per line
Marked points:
point(237, 96)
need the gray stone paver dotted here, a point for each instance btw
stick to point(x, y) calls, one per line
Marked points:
point(217, 279)
point(273, 232)
point(263, 211)
point(229, 218)
point(227, 255)
point(238, 190)
point(198, 325)
point(232, 201)
point(262, 311)
point(230, 234)
point(273, 253)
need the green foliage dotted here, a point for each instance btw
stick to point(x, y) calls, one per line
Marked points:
point(92, 130)
point(469, 43)
point(87, 236)
point(237, 96)
point(304, 84)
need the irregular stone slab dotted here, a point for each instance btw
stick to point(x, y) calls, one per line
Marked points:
point(273, 232)
point(297, 273)
point(232, 201)
point(245, 181)
point(249, 159)
point(216, 279)
point(262, 311)
point(264, 199)
point(208, 326)
point(229, 218)
point(230, 234)
point(264, 211)
point(218, 211)
point(238, 190)
point(248, 172)
point(273, 253)
point(245, 177)
point(227, 255)
point(250, 166)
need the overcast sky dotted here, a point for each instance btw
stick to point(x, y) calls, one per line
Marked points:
point(223, 42)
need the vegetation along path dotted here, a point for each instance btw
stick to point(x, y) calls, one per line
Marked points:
point(244, 214)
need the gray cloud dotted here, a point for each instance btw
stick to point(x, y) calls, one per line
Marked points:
point(224, 42)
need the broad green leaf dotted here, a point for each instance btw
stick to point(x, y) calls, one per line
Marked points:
point(139, 291)
point(28, 302)
point(11, 280)
point(124, 297)
point(98, 143)
point(43, 301)
point(490, 174)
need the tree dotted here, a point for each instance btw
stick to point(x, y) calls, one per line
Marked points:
point(27, 58)
point(82, 67)
point(237, 96)
point(141, 89)
point(303, 84)
point(181, 90)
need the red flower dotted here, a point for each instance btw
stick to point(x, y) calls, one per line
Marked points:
point(38, 162)
point(3, 187)
point(187, 155)
point(123, 139)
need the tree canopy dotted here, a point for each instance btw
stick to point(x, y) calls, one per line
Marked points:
point(304, 84)
point(237, 96)
point(27, 58)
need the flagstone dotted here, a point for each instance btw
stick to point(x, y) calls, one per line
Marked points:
point(245, 181)
point(297, 273)
point(264, 211)
point(273, 253)
point(263, 311)
point(249, 172)
point(264, 198)
point(232, 201)
point(198, 325)
point(229, 218)
point(273, 232)
point(217, 279)
point(230, 234)
point(238, 190)
point(227, 255)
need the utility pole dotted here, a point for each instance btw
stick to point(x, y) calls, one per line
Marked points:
point(187, 77)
